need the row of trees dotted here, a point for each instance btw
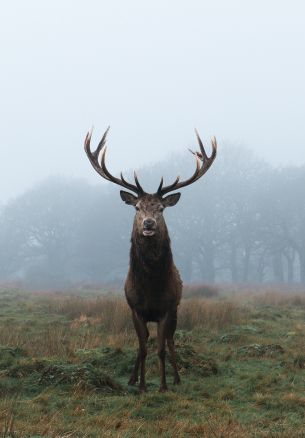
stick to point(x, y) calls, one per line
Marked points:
point(243, 222)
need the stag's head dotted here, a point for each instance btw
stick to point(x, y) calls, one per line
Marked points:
point(149, 207)
point(149, 211)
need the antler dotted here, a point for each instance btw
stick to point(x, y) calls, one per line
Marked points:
point(203, 163)
point(97, 159)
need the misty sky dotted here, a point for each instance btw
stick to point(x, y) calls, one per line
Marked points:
point(153, 71)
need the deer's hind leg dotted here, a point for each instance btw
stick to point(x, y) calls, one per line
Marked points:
point(166, 330)
point(171, 328)
point(143, 334)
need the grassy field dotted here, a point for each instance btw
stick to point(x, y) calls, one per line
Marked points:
point(65, 360)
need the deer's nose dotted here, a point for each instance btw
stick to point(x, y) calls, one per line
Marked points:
point(149, 223)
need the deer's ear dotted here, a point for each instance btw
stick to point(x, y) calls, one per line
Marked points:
point(128, 198)
point(171, 200)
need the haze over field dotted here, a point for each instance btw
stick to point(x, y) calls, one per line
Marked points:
point(153, 70)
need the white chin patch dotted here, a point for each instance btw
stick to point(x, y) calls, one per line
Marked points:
point(148, 232)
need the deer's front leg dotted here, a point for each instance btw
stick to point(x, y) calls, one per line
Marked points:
point(142, 332)
point(162, 335)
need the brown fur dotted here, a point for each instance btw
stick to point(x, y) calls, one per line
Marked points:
point(153, 288)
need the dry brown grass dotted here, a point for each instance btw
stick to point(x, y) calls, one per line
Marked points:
point(105, 320)
point(55, 340)
point(113, 314)
point(110, 426)
point(211, 314)
point(280, 299)
point(293, 399)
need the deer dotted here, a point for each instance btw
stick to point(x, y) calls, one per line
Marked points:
point(153, 286)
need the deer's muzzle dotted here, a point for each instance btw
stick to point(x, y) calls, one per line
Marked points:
point(149, 227)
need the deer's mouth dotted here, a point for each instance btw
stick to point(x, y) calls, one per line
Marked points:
point(148, 231)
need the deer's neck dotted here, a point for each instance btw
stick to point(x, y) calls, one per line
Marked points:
point(150, 256)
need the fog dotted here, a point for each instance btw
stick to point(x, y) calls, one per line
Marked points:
point(153, 71)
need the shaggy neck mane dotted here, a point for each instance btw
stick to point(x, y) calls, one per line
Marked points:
point(150, 256)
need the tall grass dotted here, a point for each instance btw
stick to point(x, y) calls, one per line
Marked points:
point(52, 341)
point(111, 313)
point(60, 324)
point(279, 299)
point(114, 316)
point(210, 314)
point(68, 323)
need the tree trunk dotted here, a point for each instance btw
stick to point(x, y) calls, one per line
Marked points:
point(261, 267)
point(233, 263)
point(302, 266)
point(277, 264)
point(246, 264)
point(290, 271)
point(208, 260)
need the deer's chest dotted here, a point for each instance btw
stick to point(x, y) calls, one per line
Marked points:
point(151, 304)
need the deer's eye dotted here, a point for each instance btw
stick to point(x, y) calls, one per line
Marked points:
point(137, 208)
point(161, 208)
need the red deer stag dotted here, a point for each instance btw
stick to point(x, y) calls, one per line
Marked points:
point(153, 286)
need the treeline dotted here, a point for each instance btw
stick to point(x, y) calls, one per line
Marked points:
point(243, 222)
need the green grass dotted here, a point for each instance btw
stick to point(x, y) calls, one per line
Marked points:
point(65, 363)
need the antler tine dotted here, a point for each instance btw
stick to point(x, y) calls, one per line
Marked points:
point(214, 146)
point(87, 142)
point(93, 156)
point(101, 144)
point(137, 182)
point(161, 191)
point(203, 163)
point(203, 152)
point(97, 159)
point(160, 185)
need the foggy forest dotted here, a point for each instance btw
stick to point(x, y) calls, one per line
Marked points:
point(245, 223)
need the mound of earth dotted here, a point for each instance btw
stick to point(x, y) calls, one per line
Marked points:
point(84, 376)
point(188, 358)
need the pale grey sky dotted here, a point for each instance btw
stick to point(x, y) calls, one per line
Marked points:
point(153, 70)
